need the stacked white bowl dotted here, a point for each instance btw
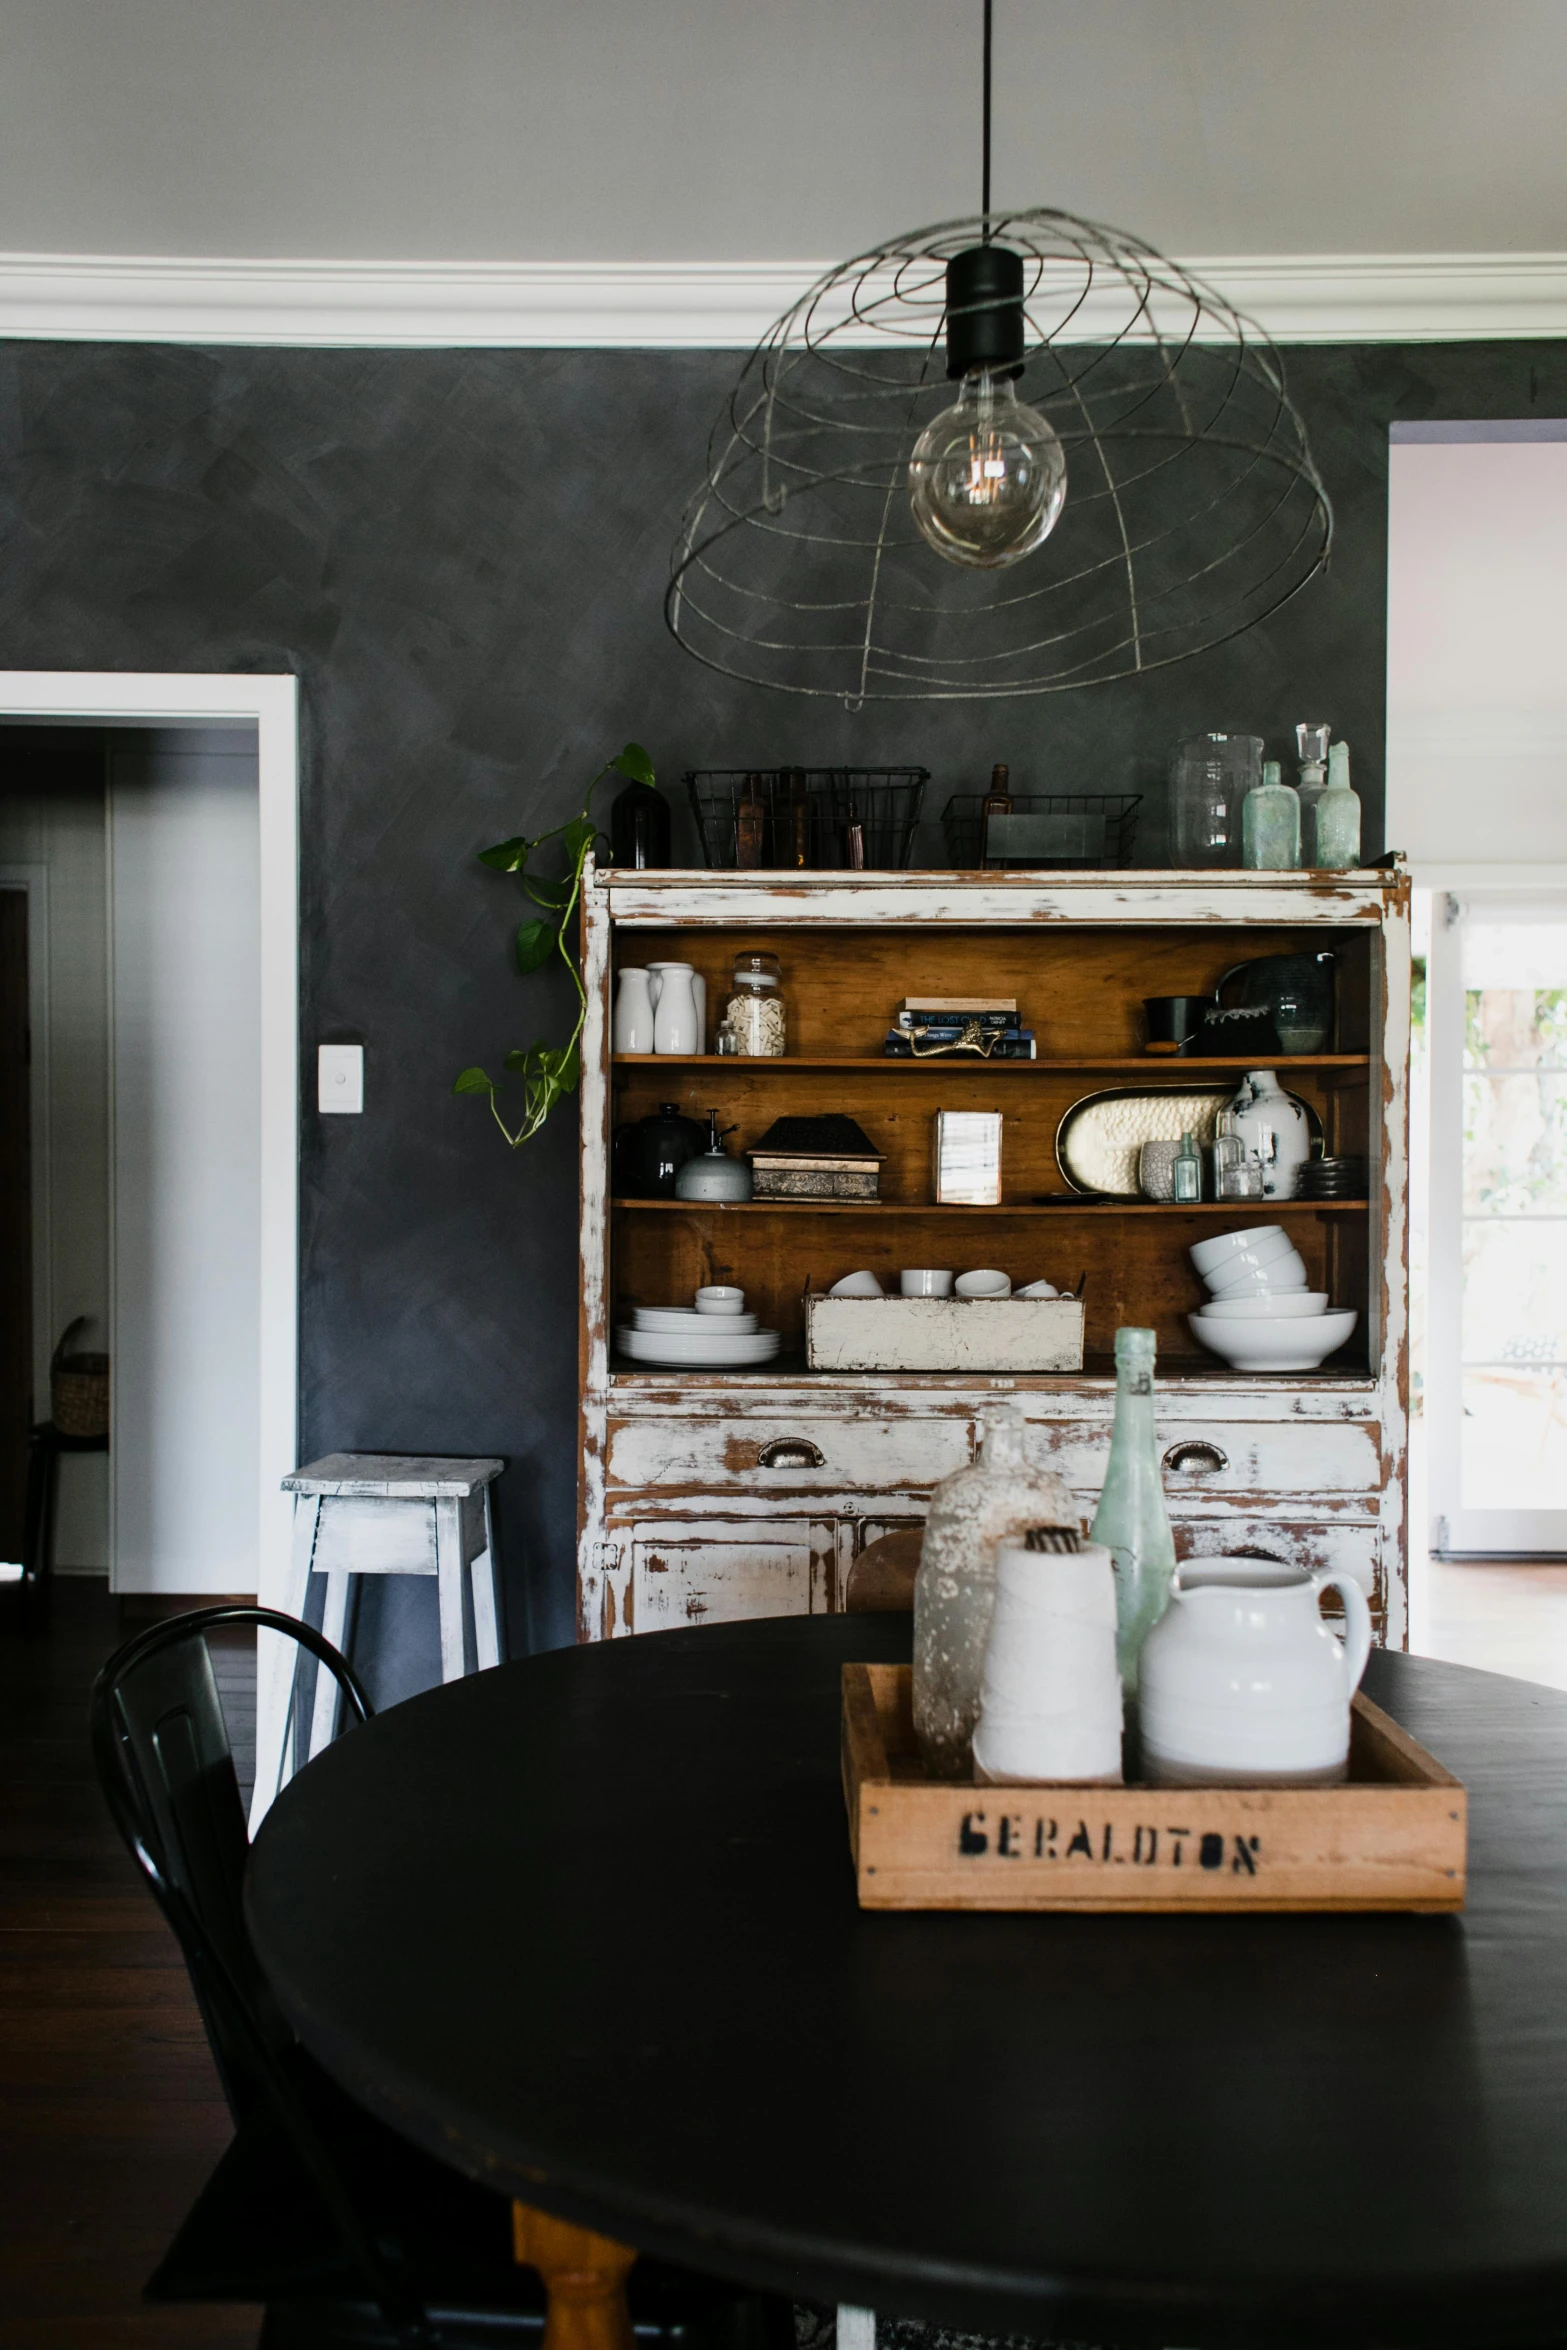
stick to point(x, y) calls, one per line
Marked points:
point(1260, 1315)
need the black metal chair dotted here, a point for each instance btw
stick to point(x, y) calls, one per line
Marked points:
point(343, 2230)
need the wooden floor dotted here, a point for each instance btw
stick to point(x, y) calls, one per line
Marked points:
point(110, 2111)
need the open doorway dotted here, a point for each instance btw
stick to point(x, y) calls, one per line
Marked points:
point(148, 841)
point(1477, 797)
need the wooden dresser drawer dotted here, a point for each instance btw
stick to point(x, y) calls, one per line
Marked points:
point(1349, 1546)
point(800, 1452)
point(714, 1573)
point(1232, 1457)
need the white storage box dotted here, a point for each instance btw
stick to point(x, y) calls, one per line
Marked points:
point(944, 1333)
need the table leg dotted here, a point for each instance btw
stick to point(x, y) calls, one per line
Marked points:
point(584, 2277)
point(323, 1718)
point(448, 1588)
point(486, 1599)
point(276, 1660)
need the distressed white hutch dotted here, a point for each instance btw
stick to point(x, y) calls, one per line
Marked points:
point(710, 1495)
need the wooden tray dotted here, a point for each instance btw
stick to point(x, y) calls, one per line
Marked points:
point(1394, 1836)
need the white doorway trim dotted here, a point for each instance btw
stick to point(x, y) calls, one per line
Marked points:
point(33, 881)
point(271, 705)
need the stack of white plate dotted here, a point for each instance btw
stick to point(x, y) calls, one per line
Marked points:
point(1261, 1316)
point(678, 1336)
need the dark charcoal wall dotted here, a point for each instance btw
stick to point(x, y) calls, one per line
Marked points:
point(462, 555)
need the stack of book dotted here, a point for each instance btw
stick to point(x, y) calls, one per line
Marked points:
point(983, 1027)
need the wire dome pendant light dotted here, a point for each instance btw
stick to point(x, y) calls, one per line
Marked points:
point(1142, 494)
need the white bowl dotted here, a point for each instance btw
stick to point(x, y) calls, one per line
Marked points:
point(985, 1283)
point(1276, 1269)
point(1276, 1280)
point(1038, 1289)
point(1245, 1260)
point(1301, 1345)
point(857, 1285)
point(924, 1281)
point(1205, 1254)
point(720, 1299)
point(1278, 1305)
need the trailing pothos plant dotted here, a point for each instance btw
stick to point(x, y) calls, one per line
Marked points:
point(547, 1070)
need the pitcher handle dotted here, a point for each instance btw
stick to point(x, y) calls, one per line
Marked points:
point(1357, 1622)
point(1218, 993)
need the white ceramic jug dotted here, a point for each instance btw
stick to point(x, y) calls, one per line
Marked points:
point(1242, 1683)
point(1275, 1130)
point(655, 978)
point(674, 1009)
point(633, 1023)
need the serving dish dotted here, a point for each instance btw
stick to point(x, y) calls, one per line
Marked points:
point(1300, 1344)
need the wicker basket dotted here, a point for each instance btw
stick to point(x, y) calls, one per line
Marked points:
point(79, 1389)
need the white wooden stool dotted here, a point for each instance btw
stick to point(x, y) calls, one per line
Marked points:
point(368, 1513)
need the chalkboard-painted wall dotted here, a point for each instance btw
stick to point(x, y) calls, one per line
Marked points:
point(462, 555)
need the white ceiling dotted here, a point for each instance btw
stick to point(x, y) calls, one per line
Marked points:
point(772, 129)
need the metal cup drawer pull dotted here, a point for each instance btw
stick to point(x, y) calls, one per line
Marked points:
point(790, 1452)
point(1200, 1457)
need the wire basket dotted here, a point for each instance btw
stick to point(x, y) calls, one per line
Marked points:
point(819, 819)
point(1063, 831)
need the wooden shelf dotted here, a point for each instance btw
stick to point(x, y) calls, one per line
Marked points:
point(946, 1063)
point(1087, 1207)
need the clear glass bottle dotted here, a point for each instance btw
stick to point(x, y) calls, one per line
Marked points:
point(755, 1011)
point(1228, 1151)
point(1311, 741)
point(1338, 817)
point(1270, 825)
point(1131, 1520)
point(995, 1501)
point(1187, 1173)
point(1210, 777)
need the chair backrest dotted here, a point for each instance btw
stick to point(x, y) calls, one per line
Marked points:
point(881, 1581)
point(167, 1772)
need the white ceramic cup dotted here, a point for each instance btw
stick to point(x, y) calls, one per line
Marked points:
point(1206, 1254)
point(719, 1298)
point(1038, 1289)
point(857, 1285)
point(985, 1283)
point(920, 1281)
point(1241, 1682)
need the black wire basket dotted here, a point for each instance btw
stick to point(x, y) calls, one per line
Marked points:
point(1059, 831)
point(812, 819)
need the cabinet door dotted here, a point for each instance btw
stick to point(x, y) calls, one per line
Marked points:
point(723, 1573)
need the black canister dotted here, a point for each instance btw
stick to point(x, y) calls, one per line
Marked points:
point(646, 1156)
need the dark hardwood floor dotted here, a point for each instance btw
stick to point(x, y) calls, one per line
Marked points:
point(111, 2115)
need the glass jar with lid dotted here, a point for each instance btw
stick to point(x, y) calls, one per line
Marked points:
point(755, 1010)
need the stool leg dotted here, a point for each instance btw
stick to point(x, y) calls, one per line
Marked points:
point(277, 1660)
point(448, 1588)
point(584, 2276)
point(856, 2327)
point(486, 1608)
point(323, 1719)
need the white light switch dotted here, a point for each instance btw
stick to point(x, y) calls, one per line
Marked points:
point(340, 1077)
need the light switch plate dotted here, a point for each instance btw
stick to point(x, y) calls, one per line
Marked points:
point(340, 1078)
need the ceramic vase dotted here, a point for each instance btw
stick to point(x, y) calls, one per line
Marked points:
point(632, 1030)
point(995, 1501)
point(1275, 1129)
point(674, 1010)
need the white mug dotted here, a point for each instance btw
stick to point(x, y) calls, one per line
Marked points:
point(1241, 1683)
point(922, 1281)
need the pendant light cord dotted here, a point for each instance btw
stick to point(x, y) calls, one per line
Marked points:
point(984, 185)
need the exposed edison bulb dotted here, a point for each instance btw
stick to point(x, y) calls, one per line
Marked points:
point(987, 479)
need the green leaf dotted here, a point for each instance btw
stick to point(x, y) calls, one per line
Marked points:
point(534, 941)
point(634, 762)
point(578, 837)
point(521, 1060)
point(570, 1069)
point(507, 856)
point(473, 1081)
point(554, 895)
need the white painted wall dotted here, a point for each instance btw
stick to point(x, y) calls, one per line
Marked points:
point(1477, 653)
point(731, 129)
point(52, 841)
point(186, 984)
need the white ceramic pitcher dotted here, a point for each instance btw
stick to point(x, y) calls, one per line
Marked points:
point(679, 1008)
point(1242, 1683)
point(633, 1024)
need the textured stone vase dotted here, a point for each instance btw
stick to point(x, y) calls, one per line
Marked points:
point(995, 1501)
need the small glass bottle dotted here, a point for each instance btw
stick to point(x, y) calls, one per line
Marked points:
point(1338, 817)
point(1228, 1151)
point(755, 1012)
point(1186, 1173)
point(997, 1500)
point(1270, 825)
point(1312, 742)
point(1131, 1520)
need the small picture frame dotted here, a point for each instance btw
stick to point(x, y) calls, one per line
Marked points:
point(966, 1158)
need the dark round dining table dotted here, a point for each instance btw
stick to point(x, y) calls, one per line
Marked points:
point(586, 1928)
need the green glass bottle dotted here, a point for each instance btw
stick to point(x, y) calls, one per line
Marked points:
point(1131, 1520)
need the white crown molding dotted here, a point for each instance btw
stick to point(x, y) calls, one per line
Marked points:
point(672, 305)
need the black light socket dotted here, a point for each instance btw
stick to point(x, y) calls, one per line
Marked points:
point(985, 326)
